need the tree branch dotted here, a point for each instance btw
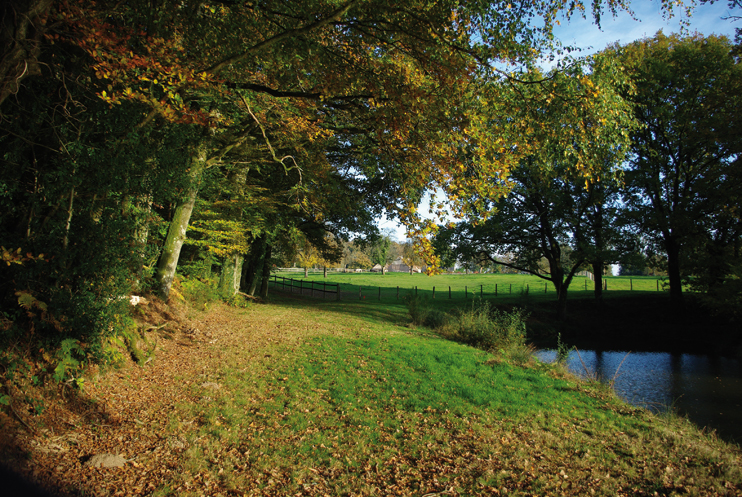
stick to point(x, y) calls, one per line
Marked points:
point(336, 15)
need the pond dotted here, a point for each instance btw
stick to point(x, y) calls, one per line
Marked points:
point(705, 388)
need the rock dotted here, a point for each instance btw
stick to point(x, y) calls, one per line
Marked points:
point(105, 461)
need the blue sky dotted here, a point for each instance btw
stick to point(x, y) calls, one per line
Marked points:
point(705, 19)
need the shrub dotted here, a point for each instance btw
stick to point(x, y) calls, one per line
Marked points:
point(237, 300)
point(199, 291)
point(487, 328)
point(418, 308)
point(520, 353)
point(436, 319)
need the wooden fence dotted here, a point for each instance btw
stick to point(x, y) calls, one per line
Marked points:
point(333, 291)
point(306, 287)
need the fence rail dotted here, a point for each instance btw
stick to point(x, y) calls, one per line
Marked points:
point(306, 287)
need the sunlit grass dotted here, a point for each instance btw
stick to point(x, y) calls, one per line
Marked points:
point(350, 405)
point(449, 289)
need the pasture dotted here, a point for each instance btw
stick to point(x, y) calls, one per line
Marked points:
point(507, 288)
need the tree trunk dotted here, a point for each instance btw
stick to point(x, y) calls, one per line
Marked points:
point(176, 233)
point(557, 277)
point(249, 280)
point(598, 277)
point(306, 272)
point(673, 270)
point(598, 263)
point(141, 233)
point(229, 280)
point(65, 240)
point(266, 272)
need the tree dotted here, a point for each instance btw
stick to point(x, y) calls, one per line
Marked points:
point(380, 252)
point(119, 118)
point(734, 15)
point(389, 101)
point(410, 255)
point(680, 189)
point(553, 219)
point(532, 226)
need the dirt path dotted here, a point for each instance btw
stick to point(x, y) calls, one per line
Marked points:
point(126, 412)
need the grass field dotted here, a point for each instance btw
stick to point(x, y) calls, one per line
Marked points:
point(349, 402)
point(393, 286)
point(310, 397)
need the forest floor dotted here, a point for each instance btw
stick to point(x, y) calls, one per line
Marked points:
point(295, 398)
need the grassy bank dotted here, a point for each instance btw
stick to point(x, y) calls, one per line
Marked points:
point(327, 398)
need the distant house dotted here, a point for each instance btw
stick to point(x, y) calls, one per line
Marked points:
point(376, 269)
point(400, 267)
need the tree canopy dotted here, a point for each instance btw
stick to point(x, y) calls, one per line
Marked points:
point(123, 121)
point(682, 175)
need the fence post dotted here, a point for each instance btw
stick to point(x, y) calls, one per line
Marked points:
point(433, 293)
point(481, 290)
point(585, 285)
point(658, 285)
point(449, 292)
point(379, 294)
point(466, 292)
point(415, 291)
point(511, 288)
point(605, 285)
point(631, 284)
point(546, 285)
point(359, 293)
point(397, 292)
point(495, 289)
point(337, 297)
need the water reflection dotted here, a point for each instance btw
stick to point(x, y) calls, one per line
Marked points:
point(708, 389)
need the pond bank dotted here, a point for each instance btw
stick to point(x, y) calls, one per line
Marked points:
point(643, 323)
point(706, 389)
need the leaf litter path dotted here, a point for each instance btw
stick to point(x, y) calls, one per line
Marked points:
point(150, 417)
point(126, 412)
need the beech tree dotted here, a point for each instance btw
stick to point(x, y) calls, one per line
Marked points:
point(684, 160)
point(118, 116)
point(541, 227)
point(555, 207)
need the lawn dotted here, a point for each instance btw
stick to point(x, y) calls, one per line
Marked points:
point(312, 397)
point(356, 403)
point(506, 287)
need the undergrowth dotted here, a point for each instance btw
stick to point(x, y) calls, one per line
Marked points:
point(480, 325)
